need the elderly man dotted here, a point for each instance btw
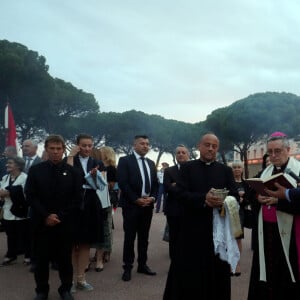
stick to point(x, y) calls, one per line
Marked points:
point(172, 207)
point(29, 148)
point(196, 272)
point(275, 270)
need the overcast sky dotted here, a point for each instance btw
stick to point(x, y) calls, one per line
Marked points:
point(180, 59)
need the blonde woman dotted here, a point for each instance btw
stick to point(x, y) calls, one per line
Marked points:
point(108, 157)
point(243, 190)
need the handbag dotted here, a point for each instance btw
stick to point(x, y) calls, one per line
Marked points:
point(166, 236)
point(1, 213)
point(248, 217)
point(114, 198)
point(19, 206)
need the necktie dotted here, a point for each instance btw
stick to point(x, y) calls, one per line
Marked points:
point(147, 180)
point(28, 163)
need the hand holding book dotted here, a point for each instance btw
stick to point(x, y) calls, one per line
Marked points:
point(279, 193)
point(261, 184)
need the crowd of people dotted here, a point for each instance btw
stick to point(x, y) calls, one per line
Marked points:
point(58, 209)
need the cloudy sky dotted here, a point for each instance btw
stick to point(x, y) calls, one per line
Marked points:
point(180, 59)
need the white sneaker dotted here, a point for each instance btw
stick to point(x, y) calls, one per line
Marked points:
point(73, 288)
point(84, 286)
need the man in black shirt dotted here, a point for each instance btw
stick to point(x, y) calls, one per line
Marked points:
point(52, 190)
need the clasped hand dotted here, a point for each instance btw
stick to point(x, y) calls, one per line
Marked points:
point(267, 200)
point(144, 201)
point(52, 220)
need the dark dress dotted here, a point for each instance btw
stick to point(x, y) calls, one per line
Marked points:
point(243, 185)
point(195, 271)
point(91, 215)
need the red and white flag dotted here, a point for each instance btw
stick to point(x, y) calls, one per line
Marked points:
point(9, 124)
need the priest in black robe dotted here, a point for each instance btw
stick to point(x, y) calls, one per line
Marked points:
point(196, 272)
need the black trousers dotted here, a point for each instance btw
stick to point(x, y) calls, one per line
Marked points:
point(53, 243)
point(18, 237)
point(136, 222)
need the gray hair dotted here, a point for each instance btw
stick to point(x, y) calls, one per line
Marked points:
point(19, 161)
point(284, 139)
point(35, 143)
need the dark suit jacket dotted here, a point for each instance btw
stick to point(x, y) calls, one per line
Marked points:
point(171, 206)
point(36, 161)
point(130, 180)
point(293, 206)
point(52, 189)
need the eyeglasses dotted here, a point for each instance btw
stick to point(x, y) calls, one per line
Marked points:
point(275, 151)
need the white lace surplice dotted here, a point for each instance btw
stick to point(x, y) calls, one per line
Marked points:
point(225, 243)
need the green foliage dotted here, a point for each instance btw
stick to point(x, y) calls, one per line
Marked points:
point(42, 105)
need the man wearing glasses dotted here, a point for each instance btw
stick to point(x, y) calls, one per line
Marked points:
point(275, 270)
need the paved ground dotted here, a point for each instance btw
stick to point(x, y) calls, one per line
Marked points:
point(16, 282)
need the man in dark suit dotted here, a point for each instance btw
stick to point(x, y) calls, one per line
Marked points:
point(29, 148)
point(172, 207)
point(138, 184)
point(53, 192)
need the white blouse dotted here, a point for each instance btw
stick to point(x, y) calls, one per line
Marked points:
point(21, 179)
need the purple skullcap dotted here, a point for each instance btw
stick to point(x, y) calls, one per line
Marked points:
point(278, 134)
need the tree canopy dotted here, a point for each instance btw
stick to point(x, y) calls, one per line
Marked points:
point(42, 105)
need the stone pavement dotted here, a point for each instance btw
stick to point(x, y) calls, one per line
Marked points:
point(17, 283)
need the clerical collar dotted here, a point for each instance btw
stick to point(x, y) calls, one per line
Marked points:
point(207, 163)
point(281, 168)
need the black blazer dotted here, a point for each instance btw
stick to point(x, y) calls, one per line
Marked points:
point(36, 161)
point(172, 207)
point(52, 189)
point(293, 206)
point(131, 182)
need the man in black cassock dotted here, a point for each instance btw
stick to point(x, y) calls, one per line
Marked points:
point(195, 270)
point(53, 192)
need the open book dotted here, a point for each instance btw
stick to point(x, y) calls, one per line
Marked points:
point(259, 184)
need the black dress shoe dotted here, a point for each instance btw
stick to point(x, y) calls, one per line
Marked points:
point(126, 275)
point(41, 296)
point(146, 270)
point(66, 296)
